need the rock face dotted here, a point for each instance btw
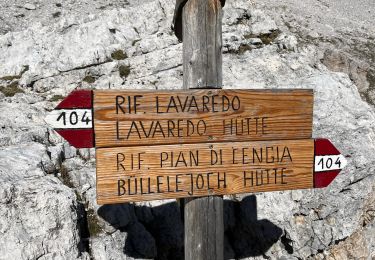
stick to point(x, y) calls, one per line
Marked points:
point(38, 214)
point(47, 188)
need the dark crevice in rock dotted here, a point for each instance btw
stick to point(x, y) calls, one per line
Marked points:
point(287, 242)
point(356, 181)
point(299, 214)
point(85, 66)
point(31, 84)
point(162, 9)
point(337, 241)
point(69, 70)
point(63, 30)
point(135, 42)
point(242, 19)
point(345, 190)
point(166, 69)
point(83, 227)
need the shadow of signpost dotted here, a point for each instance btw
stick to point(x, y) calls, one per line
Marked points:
point(246, 236)
point(152, 232)
point(158, 232)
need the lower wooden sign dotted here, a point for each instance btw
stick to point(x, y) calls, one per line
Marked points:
point(129, 174)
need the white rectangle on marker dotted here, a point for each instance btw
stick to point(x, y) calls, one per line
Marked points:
point(70, 118)
point(329, 163)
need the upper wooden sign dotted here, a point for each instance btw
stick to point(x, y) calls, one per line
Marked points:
point(127, 118)
point(105, 118)
point(126, 174)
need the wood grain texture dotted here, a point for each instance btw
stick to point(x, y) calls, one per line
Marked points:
point(177, 17)
point(202, 65)
point(198, 116)
point(191, 170)
point(202, 59)
point(204, 227)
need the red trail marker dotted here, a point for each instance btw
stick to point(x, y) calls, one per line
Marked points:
point(328, 163)
point(73, 119)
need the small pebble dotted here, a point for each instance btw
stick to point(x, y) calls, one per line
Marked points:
point(29, 6)
point(255, 41)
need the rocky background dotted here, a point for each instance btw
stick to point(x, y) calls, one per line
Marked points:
point(47, 188)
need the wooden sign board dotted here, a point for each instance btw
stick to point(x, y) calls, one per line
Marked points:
point(105, 118)
point(125, 118)
point(128, 174)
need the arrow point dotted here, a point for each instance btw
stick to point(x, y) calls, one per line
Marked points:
point(344, 161)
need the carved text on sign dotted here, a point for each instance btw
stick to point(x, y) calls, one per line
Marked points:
point(176, 171)
point(123, 118)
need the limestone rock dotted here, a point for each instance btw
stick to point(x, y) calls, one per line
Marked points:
point(38, 217)
point(354, 247)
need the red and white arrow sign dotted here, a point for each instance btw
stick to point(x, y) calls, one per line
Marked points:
point(73, 119)
point(328, 162)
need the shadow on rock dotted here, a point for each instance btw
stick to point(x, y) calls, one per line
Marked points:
point(245, 235)
point(158, 232)
point(155, 232)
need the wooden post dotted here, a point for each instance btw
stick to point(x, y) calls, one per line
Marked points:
point(202, 43)
point(202, 62)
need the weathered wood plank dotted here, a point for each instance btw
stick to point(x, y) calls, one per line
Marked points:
point(202, 57)
point(126, 174)
point(204, 232)
point(126, 118)
point(177, 17)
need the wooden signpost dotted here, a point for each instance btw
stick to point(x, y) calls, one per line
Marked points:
point(188, 144)
point(199, 142)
